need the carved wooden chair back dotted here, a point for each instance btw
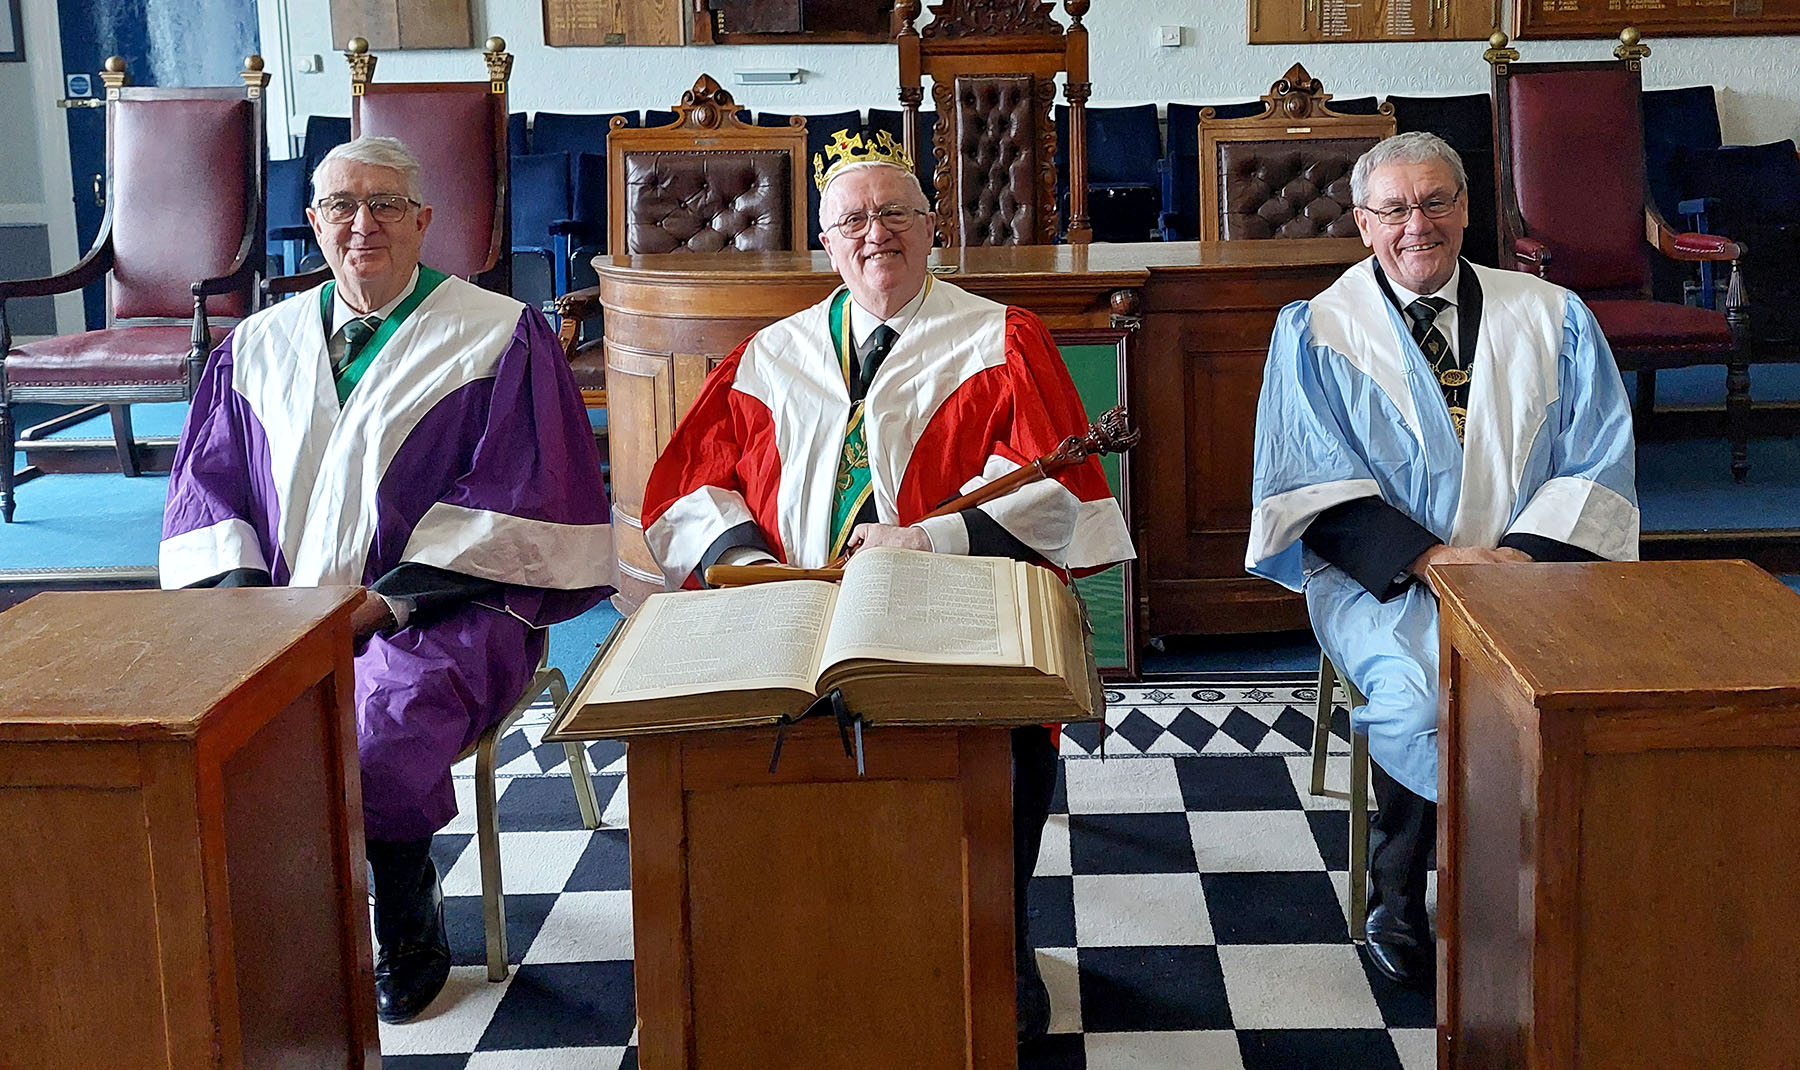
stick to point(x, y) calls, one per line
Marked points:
point(993, 67)
point(707, 182)
point(1284, 172)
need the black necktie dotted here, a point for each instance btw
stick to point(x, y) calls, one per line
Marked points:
point(881, 340)
point(1452, 378)
point(356, 335)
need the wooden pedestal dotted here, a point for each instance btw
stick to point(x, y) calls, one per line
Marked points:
point(811, 917)
point(181, 823)
point(1618, 833)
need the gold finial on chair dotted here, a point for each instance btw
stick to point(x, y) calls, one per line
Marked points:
point(113, 76)
point(1498, 54)
point(499, 63)
point(1631, 47)
point(255, 78)
point(362, 64)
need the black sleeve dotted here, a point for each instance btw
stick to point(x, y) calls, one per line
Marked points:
point(745, 534)
point(1372, 541)
point(237, 577)
point(988, 539)
point(1539, 548)
point(433, 592)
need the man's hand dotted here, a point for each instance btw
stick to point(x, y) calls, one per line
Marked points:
point(370, 616)
point(866, 536)
point(1462, 555)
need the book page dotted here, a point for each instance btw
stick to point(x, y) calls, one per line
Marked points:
point(732, 639)
point(911, 605)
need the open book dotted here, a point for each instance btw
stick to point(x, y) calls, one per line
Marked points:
point(910, 637)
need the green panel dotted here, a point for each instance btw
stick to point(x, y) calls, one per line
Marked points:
point(1095, 369)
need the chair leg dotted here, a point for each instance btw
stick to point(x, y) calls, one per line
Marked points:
point(1359, 834)
point(1321, 743)
point(579, 775)
point(1737, 417)
point(487, 834)
point(122, 441)
point(7, 455)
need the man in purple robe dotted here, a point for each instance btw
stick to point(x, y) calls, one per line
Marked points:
point(419, 436)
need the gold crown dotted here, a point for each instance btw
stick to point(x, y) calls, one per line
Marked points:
point(847, 148)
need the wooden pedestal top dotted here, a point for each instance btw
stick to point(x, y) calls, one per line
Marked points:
point(1587, 635)
point(145, 664)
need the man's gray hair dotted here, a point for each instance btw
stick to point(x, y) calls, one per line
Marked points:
point(1417, 146)
point(827, 216)
point(389, 152)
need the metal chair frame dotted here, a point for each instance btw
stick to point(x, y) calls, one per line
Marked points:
point(1357, 796)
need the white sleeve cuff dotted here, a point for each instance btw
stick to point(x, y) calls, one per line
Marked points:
point(401, 608)
point(948, 534)
point(744, 555)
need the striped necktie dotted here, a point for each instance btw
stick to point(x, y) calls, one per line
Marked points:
point(356, 335)
point(1452, 378)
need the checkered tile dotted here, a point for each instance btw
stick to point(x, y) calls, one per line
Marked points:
point(1189, 904)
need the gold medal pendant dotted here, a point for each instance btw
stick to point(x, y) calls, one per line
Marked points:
point(1451, 378)
point(1459, 417)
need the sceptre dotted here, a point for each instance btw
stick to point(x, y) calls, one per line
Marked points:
point(1112, 433)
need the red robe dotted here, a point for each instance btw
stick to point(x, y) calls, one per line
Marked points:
point(971, 390)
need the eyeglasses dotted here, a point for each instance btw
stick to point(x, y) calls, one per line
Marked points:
point(1395, 215)
point(896, 218)
point(384, 207)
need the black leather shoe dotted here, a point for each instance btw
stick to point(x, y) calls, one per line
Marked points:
point(408, 978)
point(1401, 951)
point(1033, 1000)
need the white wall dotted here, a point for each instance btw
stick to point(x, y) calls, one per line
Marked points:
point(1759, 99)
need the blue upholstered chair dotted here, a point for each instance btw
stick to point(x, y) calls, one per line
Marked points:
point(287, 232)
point(1467, 123)
point(572, 132)
point(540, 200)
point(1179, 169)
point(889, 119)
point(819, 131)
point(1124, 145)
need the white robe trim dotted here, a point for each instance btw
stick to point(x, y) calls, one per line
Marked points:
point(1583, 513)
point(680, 536)
point(328, 462)
point(196, 555)
point(1281, 519)
point(953, 336)
point(514, 549)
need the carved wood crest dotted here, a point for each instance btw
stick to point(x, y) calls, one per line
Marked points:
point(707, 106)
point(991, 18)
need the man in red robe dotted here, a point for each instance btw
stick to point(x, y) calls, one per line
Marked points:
point(843, 425)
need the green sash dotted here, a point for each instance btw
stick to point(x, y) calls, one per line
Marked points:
point(347, 379)
point(853, 486)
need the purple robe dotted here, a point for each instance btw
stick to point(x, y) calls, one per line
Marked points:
point(465, 447)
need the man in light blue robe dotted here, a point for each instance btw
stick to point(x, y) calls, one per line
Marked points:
point(1423, 410)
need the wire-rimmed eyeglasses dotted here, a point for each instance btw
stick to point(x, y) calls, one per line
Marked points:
point(1395, 215)
point(384, 207)
point(894, 218)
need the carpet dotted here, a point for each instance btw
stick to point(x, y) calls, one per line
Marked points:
point(1188, 905)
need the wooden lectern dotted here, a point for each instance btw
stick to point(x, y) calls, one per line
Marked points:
point(181, 819)
point(1620, 817)
point(811, 916)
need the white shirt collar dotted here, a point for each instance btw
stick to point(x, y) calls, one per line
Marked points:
point(863, 322)
point(1447, 291)
point(342, 313)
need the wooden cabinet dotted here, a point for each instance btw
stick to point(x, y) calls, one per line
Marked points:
point(1206, 312)
point(182, 824)
point(1617, 834)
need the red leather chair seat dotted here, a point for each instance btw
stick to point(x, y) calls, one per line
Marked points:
point(123, 356)
point(1648, 328)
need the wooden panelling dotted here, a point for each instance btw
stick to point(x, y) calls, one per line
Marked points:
point(401, 24)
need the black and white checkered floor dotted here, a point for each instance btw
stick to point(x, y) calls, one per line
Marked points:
point(1189, 905)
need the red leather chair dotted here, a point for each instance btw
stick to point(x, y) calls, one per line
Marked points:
point(1574, 208)
point(457, 130)
point(181, 248)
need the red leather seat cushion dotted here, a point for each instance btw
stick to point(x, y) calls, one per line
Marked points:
point(1649, 328)
point(124, 356)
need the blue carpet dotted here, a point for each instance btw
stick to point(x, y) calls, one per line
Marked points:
point(68, 521)
point(1681, 387)
point(1686, 486)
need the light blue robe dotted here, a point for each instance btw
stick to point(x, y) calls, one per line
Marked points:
point(1350, 408)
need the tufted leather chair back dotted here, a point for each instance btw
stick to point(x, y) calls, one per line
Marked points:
point(182, 195)
point(705, 202)
point(1000, 199)
point(1284, 172)
point(1288, 189)
point(458, 132)
point(708, 181)
point(1586, 135)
